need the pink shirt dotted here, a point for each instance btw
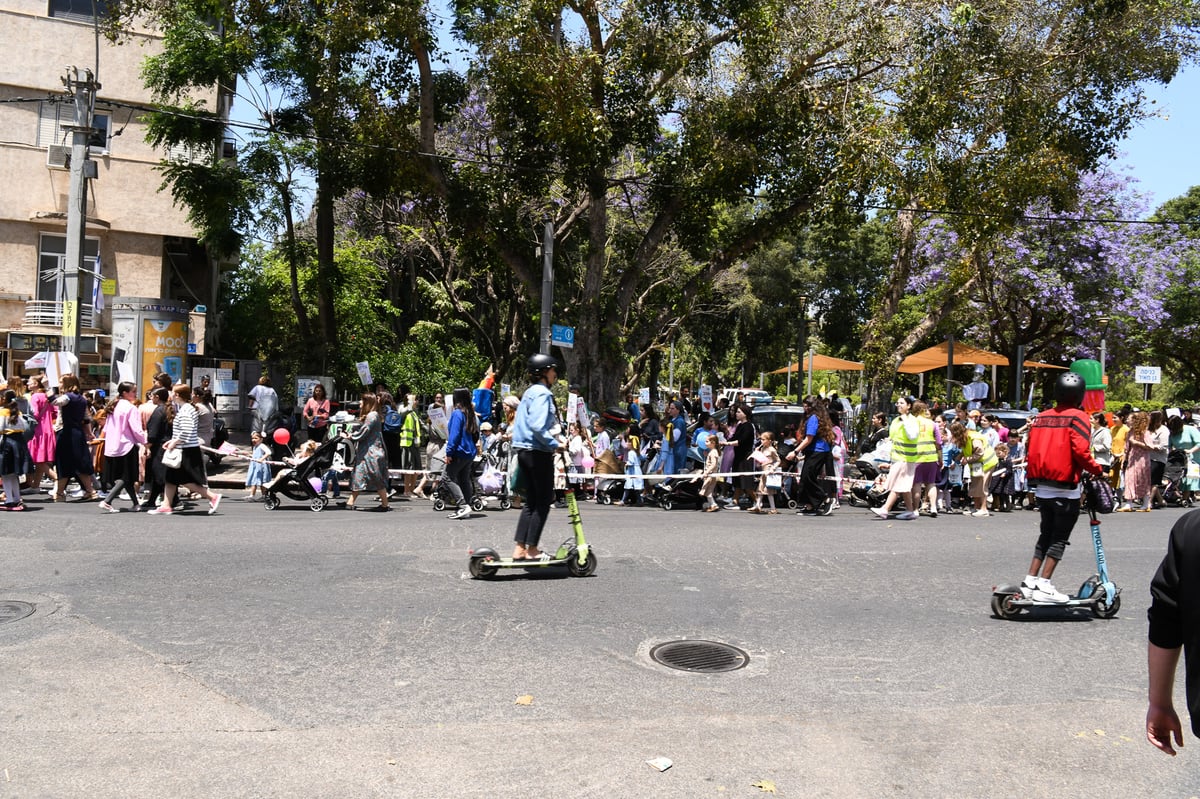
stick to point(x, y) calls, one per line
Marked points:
point(123, 429)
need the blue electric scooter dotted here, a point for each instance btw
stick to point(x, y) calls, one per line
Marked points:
point(574, 553)
point(1098, 592)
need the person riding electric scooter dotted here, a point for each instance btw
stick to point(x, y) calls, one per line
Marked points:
point(1059, 450)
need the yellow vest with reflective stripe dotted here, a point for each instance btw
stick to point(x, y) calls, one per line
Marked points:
point(903, 449)
point(976, 441)
point(927, 451)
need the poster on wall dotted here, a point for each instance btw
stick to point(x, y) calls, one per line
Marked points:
point(164, 348)
point(124, 355)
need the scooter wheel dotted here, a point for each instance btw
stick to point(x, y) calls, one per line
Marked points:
point(1103, 610)
point(576, 569)
point(480, 570)
point(439, 505)
point(1003, 608)
point(271, 502)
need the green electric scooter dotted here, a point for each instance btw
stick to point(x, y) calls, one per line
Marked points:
point(575, 554)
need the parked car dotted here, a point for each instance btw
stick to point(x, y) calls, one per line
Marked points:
point(772, 416)
point(752, 396)
point(1012, 418)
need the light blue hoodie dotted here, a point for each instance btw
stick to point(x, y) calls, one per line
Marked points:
point(536, 425)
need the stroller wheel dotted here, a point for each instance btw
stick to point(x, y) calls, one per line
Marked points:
point(439, 505)
point(792, 504)
point(476, 503)
point(318, 503)
point(605, 499)
point(666, 504)
point(505, 504)
point(271, 502)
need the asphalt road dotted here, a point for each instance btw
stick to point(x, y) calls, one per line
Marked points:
point(349, 654)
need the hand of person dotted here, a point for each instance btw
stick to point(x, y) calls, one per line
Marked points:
point(1161, 724)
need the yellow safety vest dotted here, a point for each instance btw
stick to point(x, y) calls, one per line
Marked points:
point(977, 441)
point(903, 449)
point(410, 431)
point(927, 449)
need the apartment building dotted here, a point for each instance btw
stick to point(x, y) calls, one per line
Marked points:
point(138, 242)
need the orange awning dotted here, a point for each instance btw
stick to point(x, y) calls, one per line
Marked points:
point(822, 363)
point(935, 358)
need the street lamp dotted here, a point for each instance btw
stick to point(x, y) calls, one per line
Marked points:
point(1103, 322)
point(801, 345)
point(791, 360)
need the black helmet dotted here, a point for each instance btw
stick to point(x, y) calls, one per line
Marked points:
point(539, 363)
point(1069, 389)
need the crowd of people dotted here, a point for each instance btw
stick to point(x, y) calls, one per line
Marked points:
point(147, 447)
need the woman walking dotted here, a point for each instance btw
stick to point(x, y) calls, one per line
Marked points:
point(42, 445)
point(370, 455)
point(71, 448)
point(190, 472)
point(158, 432)
point(817, 448)
point(536, 436)
point(1138, 444)
point(461, 449)
point(123, 438)
point(741, 437)
point(14, 455)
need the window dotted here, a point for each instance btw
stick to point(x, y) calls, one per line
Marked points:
point(51, 285)
point(54, 117)
point(79, 10)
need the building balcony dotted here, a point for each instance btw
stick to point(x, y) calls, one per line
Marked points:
point(48, 313)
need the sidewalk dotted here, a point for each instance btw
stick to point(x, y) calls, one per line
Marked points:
point(231, 472)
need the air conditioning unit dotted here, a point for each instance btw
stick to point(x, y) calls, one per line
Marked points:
point(228, 149)
point(58, 156)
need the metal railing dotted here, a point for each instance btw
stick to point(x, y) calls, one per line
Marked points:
point(49, 312)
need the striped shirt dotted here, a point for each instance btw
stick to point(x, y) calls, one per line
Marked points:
point(184, 431)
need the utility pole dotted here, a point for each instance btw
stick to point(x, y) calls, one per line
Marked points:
point(547, 286)
point(84, 91)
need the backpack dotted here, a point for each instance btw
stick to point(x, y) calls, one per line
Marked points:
point(30, 424)
point(393, 420)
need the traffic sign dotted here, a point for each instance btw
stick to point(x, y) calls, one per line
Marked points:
point(562, 336)
point(1147, 374)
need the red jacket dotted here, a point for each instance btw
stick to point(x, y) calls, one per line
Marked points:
point(1060, 447)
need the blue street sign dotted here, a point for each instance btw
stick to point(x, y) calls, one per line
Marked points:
point(562, 336)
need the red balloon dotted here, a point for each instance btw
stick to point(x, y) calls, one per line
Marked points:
point(281, 436)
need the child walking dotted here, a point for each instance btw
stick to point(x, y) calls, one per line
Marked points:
point(633, 470)
point(767, 458)
point(712, 465)
point(1002, 480)
point(259, 473)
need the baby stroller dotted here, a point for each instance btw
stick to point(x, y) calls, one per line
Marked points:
point(442, 498)
point(489, 475)
point(865, 483)
point(1177, 463)
point(682, 489)
point(609, 491)
point(302, 482)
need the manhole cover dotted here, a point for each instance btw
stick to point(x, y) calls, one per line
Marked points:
point(14, 611)
point(701, 656)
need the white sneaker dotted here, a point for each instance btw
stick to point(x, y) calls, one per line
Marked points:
point(880, 512)
point(980, 513)
point(1045, 592)
point(461, 513)
point(906, 516)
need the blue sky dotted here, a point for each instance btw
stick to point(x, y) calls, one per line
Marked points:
point(1162, 152)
